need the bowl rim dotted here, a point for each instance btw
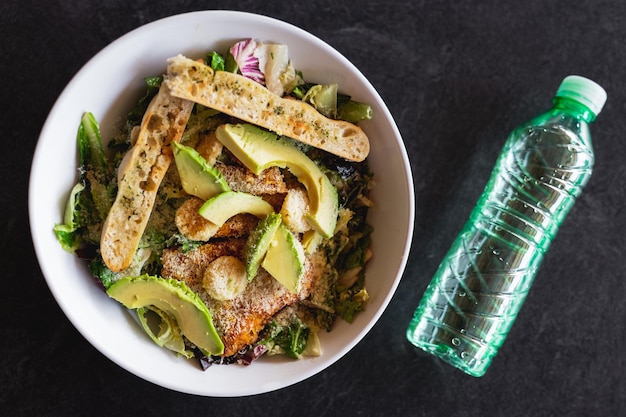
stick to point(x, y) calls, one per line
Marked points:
point(50, 275)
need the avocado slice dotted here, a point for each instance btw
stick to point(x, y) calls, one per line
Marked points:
point(284, 259)
point(311, 241)
point(259, 149)
point(259, 241)
point(197, 177)
point(163, 329)
point(176, 298)
point(225, 205)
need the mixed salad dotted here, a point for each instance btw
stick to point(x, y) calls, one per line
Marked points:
point(339, 287)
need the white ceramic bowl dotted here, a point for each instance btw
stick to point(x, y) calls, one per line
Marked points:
point(108, 85)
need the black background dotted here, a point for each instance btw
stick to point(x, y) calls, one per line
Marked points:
point(457, 76)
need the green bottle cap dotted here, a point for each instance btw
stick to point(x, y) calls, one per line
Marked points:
point(583, 90)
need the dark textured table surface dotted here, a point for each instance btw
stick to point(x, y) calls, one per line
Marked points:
point(457, 76)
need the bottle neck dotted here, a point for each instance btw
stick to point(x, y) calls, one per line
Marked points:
point(574, 109)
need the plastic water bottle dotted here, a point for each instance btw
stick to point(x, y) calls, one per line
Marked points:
point(477, 291)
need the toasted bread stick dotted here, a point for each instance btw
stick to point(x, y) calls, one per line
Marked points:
point(248, 100)
point(139, 176)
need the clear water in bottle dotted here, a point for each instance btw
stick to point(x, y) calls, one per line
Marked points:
point(478, 289)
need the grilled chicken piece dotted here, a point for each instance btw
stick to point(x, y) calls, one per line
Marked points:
point(237, 321)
